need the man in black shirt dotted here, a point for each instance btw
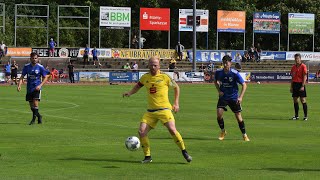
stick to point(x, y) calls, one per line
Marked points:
point(14, 72)
point(71, 74)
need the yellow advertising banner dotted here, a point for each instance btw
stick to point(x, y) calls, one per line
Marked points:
point(143, 53)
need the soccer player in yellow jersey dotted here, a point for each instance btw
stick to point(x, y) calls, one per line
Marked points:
point(159, 108)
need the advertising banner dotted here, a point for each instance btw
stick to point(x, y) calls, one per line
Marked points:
point(143, 53)
point(58, 52)
point(93, 76)
point(2, 77)
point(186, 20)
point(115, 17)
point(310, 56)
point(102, 53)
point(213, 55)
point(231, 21)
point(21, 52)
point(155, 19)
point(124, 77)
point(300, 23)
point(273, 55)
point(183, 76)
point(270, 76)
point(266, 22)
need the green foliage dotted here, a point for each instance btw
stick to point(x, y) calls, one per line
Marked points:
point(119, 38)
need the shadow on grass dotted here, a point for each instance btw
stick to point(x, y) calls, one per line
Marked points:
point(117, 160)
point(11, 123)
point(189, 138)
point(269, 118)
point(288, 170)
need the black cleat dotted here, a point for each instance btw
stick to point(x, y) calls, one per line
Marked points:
point(147, 159)
point(40, 119)
point(186, 156)
point(32, 121)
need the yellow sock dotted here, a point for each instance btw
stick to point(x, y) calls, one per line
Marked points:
point(178, 140)
point(145, 144)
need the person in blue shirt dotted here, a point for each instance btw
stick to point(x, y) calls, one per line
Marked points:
point(226, 82)
point(86, 55)
point(52, 45)
point(7, 69)
point(34, 72)
point(94, 53)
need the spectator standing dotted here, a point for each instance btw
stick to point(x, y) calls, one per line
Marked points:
point(71, 72)
point(3, 50)
point(7, 70)
point(135, 42)
point(179, 50)
point(86, 55)
point(95, 56)
point(52, 45)
point(142, 41)
point(135, 67)
point(14, 72)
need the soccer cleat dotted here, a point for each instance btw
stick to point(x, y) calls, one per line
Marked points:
point(186, 156)
point(295, 118)
point(32, 122)
point(147, 159)
point(246, 138)
point(305, 118)
point(40, 119)
point(222, 135)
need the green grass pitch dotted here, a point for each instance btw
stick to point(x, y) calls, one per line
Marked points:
point(85, 127)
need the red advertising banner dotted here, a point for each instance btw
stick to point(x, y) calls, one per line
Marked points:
point(155, 19)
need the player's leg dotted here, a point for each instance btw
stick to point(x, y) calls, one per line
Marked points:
point(296, 108)
point(236, 109)
point(145, 144)
point(32, 109)
point(221, 107)
point(241, 126)
point(305, 107)
point(36, 100)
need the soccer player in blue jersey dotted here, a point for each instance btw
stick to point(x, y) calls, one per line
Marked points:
point(34, 72)
point(226, 82)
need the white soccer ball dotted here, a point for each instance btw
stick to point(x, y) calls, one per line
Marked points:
point(132, 143)
point(258, 82)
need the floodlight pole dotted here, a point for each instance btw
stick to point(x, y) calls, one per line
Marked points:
point(194, 36)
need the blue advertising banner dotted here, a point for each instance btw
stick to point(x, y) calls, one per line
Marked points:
point(213, 55)
point(123, 76)
point(273, 55)
point(266, 22)
point(270, 76)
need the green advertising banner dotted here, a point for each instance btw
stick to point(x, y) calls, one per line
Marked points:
point(300, 23)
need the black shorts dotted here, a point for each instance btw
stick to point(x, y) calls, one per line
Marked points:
point(234, 106)
point(85, 57)
point(33, 95)
point(95, 58)
point(14, 75)
point(296, 90)
point(7, 74)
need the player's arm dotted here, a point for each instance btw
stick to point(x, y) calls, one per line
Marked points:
point(304, 78)
point(217, 85)
point(24, 72)
point(291, 83)
point(176, 106)
point(135, 89)
point(44, 80)
point(243, 90)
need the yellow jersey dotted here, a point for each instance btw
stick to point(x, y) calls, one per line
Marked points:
point(157, 89)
